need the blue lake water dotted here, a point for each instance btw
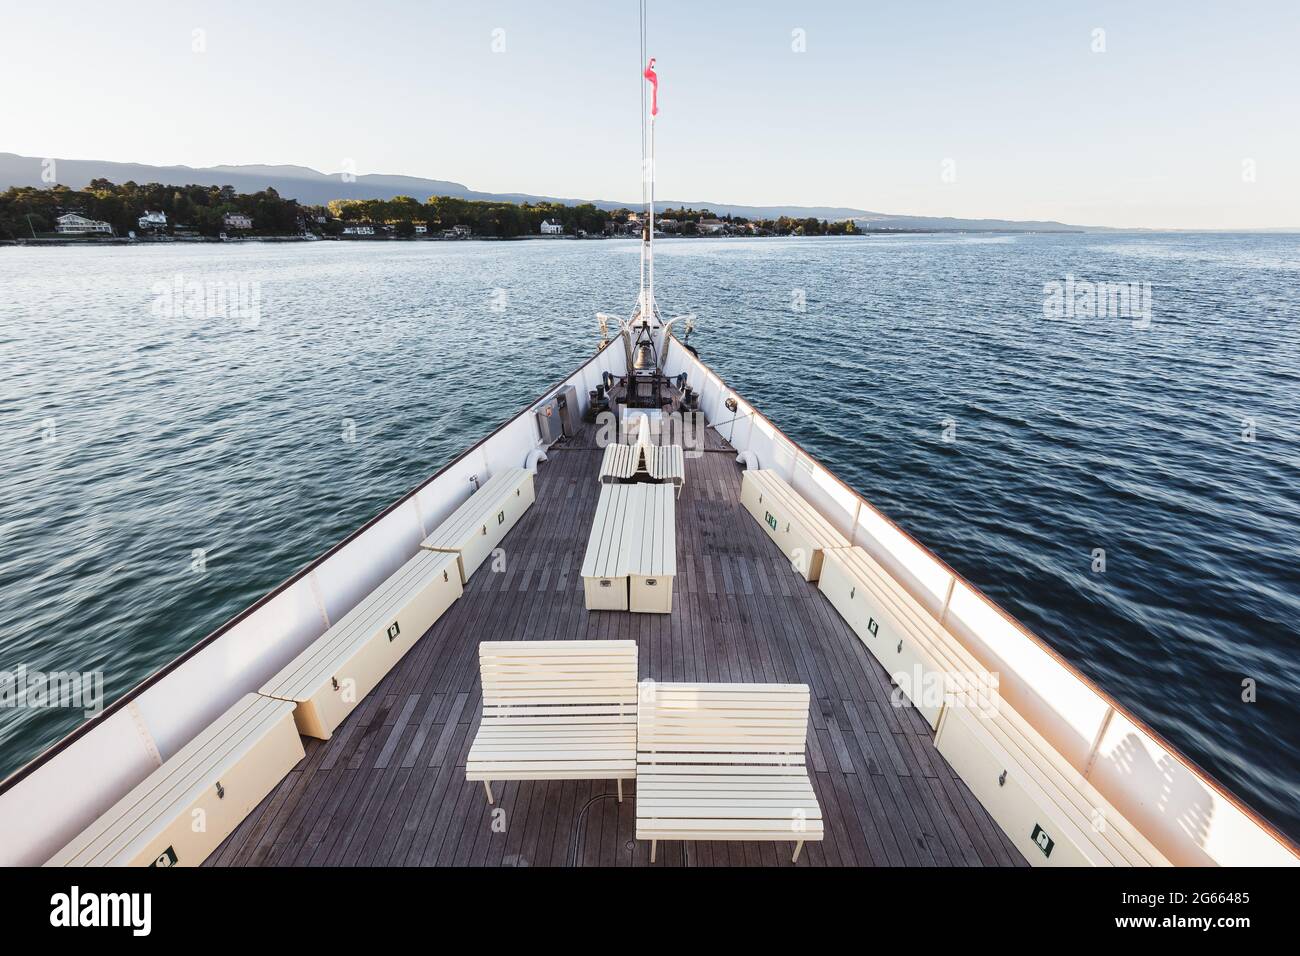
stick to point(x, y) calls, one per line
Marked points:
point(134, 435)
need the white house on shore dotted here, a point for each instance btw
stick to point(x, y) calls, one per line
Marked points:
point(709, 227)
point(550, 228)
point(359, 230)
point(71, 224)
point(153, 220)
point(235, 220)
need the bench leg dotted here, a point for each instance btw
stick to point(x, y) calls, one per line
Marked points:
point(488, 787)
point(620, 789)
point(653, 845)
point(797, 847)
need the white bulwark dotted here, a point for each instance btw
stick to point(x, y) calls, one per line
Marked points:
point(72, 224)
point(550, 228)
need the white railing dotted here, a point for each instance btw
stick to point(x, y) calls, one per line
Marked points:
point(45, 804)
point(1189, 817)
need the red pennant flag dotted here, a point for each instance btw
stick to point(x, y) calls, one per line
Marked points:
point(653, 77)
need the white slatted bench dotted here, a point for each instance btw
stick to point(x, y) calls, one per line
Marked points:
point(799, 529)
point(724, 762)
point(1045, 806)
point(216, 779)
point(652, 552)
point(619, 462)
point(661, 463)
point(480, 523)
point(605, 563)
point(666, 463)
point(556, 710)
point(333, 675)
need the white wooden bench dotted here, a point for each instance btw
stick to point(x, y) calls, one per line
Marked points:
point(605, 563)
point(666, 463)
point(661, 463)
point(724, 762)
point(333, 675)
point(652, 552)
point(556, 710)
point(478, 525)
point(619, 462)
point(799, 529)
point(1047, 808)
point(183, 811)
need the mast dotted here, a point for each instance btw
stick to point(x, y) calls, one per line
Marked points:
point(651, 309)
point(647, 308)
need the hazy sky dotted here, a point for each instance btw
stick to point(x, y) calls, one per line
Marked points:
point(1168, 126)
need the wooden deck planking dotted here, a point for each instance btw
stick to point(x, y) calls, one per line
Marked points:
point(389, 788)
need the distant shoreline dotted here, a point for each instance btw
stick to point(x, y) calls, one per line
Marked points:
point(205, 240)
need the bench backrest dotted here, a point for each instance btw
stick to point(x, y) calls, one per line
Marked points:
point(533, 679)
point(665, 462)
point(703, 725)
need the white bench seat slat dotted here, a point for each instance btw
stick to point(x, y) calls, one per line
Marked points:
point(724, 762)
point(651, 769)
point(719, 829)
point(714, 787)
point(546, 717)
point(555, 715)
point(715, 759)
point(551, 771)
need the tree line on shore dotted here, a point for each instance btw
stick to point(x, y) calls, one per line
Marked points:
point(27, 211)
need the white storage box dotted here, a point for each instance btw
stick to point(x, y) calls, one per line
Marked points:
point(334, 674)
point(652, 557)
point(605, 566)
point(801, 532)
point(187, 807)
point(477, 526)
